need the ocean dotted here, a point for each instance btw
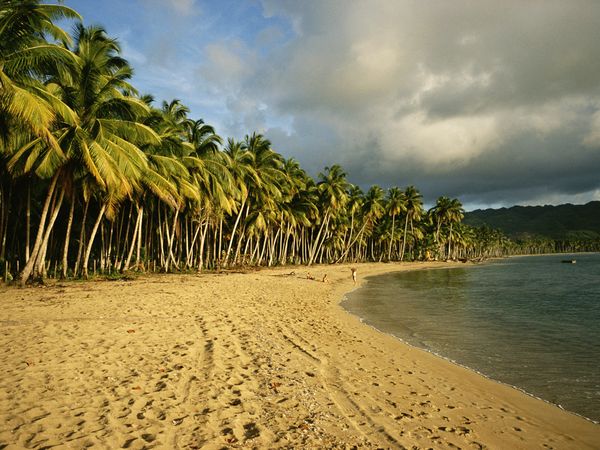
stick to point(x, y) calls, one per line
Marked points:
point(532, 322)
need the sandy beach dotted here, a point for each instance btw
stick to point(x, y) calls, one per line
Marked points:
point(264, 359)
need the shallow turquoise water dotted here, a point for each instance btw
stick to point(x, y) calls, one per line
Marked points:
point(532, 322)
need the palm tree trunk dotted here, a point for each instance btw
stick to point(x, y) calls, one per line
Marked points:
point(4, 223)
point(358, 235)
point(404, 241)
point(138, 252)
point(134, 239)
point(41, 268)
point(190, 255)
point(273, 244)
point(218, 253)
point(28, 269)
point(262, 252)
point(81, 238)
point(349, 244)
point(449, 256)
point(88, 250)
point(246, 247)
point(3, 207)
point(160, 238)
point(238, 249)
point(125, 237)
point(65, 257)
point(392, 237)
point(284, 253)
point(313, 249)
point(201, 251)
point(28, 221)
point(171, 238)
point(235, 225)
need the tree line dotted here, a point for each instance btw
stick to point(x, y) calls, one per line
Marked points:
point(97, 177)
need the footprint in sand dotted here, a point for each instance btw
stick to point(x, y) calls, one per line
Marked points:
point(148, 437)
point(251, 431)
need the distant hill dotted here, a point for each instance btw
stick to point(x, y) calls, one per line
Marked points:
point(556, 222)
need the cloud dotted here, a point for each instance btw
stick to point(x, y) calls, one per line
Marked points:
point(488, 101)
point(592, 138)
point(483, 100)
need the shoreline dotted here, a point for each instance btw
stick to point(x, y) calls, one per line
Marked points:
point(265, 359)
point(471, 369)
point(452, 361)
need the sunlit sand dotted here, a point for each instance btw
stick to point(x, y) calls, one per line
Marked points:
point(264, 359)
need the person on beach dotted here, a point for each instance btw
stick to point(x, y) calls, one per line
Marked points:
point(325, 278)
point(353, 274)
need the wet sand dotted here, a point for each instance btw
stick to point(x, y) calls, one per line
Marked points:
point(264, 359)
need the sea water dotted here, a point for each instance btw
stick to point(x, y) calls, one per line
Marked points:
point(532, 322)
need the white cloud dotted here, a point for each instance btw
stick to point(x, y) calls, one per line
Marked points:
point(438, 143)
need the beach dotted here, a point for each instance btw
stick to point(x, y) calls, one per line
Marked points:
point(262, 359)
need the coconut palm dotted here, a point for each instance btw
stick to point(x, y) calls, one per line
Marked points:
point(395, 205)
point(240, 163)
point(104, 140)
point(455, 214)
point(299, 207)
point(203, 137)
point(332, 188)
point(354, 204)
point(413, 212)
point(26, 59)
point(373, 209)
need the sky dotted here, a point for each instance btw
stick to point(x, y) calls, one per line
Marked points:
point(493, 102)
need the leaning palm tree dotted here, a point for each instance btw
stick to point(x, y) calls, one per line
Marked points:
point(332, 189)
point(395, 205)
point(455, 214)
point(28, 110)
point(265, 190)
point(103, 142)
point(241, 166)
point(414, 211)
point(26, 59)
point(441, 216)
point(355, 201)
point(373, 209)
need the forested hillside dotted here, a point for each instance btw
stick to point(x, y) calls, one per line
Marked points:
point(562, 222)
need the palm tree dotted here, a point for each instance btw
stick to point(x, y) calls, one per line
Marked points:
point(203, 137)
point(240, 163)
point(455, 214)
point(104, 140)
point(395, 205)
point(28, 108)
point(332, 189)
point(265, 191)
point(354, 204)
point(414, 211)
point(372, 210)
point(299, 206)
point(26, 59)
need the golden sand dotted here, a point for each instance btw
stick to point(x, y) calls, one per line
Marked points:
point(264, 359)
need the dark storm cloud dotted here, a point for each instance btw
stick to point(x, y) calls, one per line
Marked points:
point(489, 101)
